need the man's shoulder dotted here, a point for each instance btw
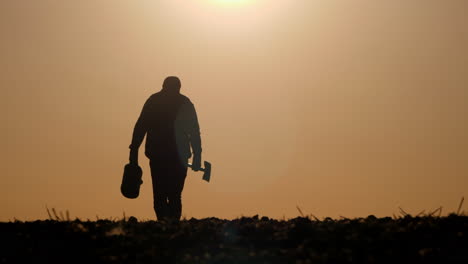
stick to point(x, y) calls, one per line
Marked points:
point(185, 99)
point(153, 98)
point(155, 95)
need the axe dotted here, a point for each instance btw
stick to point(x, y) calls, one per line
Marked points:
point(206, 171)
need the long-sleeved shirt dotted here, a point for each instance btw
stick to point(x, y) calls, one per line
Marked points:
point(170, 123)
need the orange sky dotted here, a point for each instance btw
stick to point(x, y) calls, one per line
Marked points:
point(341, 107)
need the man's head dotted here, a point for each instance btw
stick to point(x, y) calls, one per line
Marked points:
point(171, 83)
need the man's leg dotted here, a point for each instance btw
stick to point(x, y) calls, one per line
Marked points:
point(159, 176)
point(178, 175)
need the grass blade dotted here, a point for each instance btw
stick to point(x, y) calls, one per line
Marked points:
point(460, 205)
point(403, 212)
point(55, 214)
point(316, 218)
point(435, 211)
point(48, 212)
point(300, 211)
point(422, 212)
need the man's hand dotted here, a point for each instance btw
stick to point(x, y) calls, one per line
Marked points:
point(196, 162)
point(133, 156)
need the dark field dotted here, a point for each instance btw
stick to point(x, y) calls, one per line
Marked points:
point(244, 240)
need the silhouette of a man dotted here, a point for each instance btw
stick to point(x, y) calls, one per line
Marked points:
point(170, 122)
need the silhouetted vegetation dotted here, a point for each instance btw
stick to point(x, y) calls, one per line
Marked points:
point(407, 239)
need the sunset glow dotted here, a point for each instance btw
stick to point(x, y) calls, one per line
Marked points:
point(341, 108)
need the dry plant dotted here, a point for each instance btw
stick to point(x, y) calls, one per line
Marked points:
point(55, 217)
point(307, 216)
point(438, 210)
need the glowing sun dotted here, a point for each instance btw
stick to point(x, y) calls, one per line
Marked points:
point(231, 2)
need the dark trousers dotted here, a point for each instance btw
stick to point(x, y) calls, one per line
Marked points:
point(168, 176)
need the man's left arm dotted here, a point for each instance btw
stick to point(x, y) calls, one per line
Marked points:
point(195, 139)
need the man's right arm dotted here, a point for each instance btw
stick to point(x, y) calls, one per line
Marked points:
point(139, 132)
